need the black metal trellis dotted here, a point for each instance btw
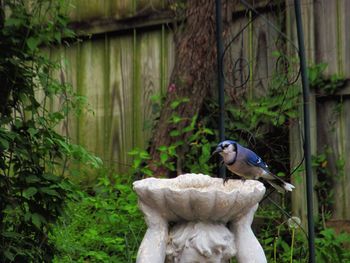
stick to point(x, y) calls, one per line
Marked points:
point(307, 143)
point(221, 92)
point(240, 62)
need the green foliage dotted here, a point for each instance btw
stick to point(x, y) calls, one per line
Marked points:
point(325, 193)
point(261, 121)
point(327, 85)
point(250, 122)
point(285, 241)
point(274, 109)
point(33, 156)
point(200, 150)
point(102, 226)
point(331, 247)
point(326, 178)
point(191, 137)
point(258, 121)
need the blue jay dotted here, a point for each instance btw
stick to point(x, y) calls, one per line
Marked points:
point(249, 165)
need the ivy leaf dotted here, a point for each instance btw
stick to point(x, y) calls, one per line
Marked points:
point(137, 163)
point(51, 177)
point(58, 37)
point(13, 22)
point(147, 172)
point(134, 152)
point(33, 43)
point(203, 159)
point(9, 255)
point(37, 220)
point(162, 148)
point(29, 192)
point(32, 179)
point(65, 185)
point(32, 131)
point(49, 191)
point(208, 131)
point(276, 53)
point(176, 103)
point(175, 119)
point(27, 216)
point(188, 129)
point(4, 143)
point(163, 157)
point(10, 234)
point(172, 150)
point(175, 133)
point(144, 155)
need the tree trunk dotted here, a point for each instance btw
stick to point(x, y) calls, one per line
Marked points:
point(192, 77)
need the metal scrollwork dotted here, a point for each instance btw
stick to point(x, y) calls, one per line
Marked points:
point(238, 70)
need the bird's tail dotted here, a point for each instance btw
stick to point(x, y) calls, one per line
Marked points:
point(276, 182)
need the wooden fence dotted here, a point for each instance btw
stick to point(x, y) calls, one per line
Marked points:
point(129, 58)
point(118, 71)
point(325, 24)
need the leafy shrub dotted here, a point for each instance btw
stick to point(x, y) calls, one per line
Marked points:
point(32, 153)
point(332, 247)
point(102, 226)
point(283, 241)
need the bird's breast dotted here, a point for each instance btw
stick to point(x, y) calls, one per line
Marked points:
point(244, 170)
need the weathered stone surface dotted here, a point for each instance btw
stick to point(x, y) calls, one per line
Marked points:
point(200, 208)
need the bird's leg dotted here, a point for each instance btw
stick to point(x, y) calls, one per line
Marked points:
point(225, 179)
point(221, 164)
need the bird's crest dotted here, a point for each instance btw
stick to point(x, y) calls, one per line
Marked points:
point(226, 143)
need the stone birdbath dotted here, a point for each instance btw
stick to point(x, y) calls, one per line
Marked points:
point(195, 218)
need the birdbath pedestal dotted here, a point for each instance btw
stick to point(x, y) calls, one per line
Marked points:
point(196, 218)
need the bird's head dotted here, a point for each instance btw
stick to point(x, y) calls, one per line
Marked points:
point(225, 148)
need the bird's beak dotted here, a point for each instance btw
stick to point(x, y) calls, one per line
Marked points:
point(218, 150)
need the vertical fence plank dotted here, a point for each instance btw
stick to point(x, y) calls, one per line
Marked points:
point(334, 129)
point(122, 8)
point(150, 84)
point(328, 36)
point(296, 135)
point(150, 4)
point(71, 55)
point(256, 44)
point(119, 125)
point(345, 182)
point(83, 10)
point(332, 37)
point(91, 71)
point(118, 75)
point(66, 75)
point(346, 37)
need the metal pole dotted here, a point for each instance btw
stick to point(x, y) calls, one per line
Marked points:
point(307, 143)
point(221, 92)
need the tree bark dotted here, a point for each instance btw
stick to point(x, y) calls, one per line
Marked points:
point(192, 77)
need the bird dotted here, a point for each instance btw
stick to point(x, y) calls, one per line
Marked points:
point(248, 165)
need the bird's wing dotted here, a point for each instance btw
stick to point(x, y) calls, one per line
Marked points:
point(254, 160)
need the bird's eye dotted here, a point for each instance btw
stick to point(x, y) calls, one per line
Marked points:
point(225, 146)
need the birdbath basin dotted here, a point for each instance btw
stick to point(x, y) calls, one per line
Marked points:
point(197, 218)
